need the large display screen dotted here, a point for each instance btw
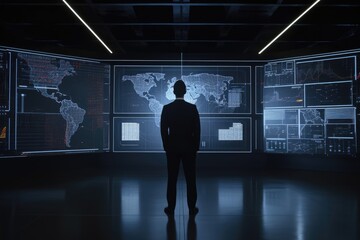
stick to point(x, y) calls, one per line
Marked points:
point(310, 130)
point(62, 104)
point(283, 96)
point(314, 114)
point(218, 134)
point(219, 92)
point(214, 89)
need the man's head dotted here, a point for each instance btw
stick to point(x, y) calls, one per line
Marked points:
point(179, 88)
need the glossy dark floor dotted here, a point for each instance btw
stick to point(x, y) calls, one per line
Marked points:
point(128, 204)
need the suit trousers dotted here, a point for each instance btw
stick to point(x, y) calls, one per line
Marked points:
point(189, 165)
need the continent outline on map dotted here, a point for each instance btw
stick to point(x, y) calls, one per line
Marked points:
point(70, 111)
point(211, 86)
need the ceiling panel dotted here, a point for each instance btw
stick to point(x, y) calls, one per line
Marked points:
point(169, 27)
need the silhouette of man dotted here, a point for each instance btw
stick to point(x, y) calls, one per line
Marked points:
point(180, 133)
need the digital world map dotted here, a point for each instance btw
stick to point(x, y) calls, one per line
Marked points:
point(210, 91)
point(212, 87)
point(51, 78)
point(49, 87)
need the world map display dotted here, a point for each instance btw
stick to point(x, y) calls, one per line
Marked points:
point(220, 94)
point(215, 90)
point(50, 87)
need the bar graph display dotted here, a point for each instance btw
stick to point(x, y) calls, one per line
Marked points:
point(218, 134)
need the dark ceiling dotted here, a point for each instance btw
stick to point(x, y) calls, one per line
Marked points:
point(134, 29)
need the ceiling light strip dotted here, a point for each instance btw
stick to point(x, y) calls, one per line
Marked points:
point(289, 26)
point(97, 37)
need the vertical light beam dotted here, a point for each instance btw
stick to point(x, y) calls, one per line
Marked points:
point(97, 37)
point(289, 26)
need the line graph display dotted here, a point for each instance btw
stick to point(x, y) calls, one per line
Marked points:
point(326, 70)
point(284, 96)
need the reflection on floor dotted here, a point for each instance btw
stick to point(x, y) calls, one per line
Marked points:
point(129, 205)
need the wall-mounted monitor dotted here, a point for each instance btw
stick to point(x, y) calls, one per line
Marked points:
point(218, 134)
point(326, 70)
point(214, 89)
point(283, 96)
point(60, 103)
point(316, 113)
point(279, 73)
point(310, 130)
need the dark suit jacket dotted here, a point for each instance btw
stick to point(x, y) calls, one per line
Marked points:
point(180, 127)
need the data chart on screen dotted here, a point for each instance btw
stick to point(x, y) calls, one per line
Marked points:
point(141, 134)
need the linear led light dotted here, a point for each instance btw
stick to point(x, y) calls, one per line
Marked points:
point(289, 26)
point(97, 37)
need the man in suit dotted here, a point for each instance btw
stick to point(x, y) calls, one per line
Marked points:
point(180, 132)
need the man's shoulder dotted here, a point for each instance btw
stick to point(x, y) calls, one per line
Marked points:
point(190, 105)
point(177, 103)
point(166, 106)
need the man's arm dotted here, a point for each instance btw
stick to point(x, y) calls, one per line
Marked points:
point(197, 129)
point(164, 128)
